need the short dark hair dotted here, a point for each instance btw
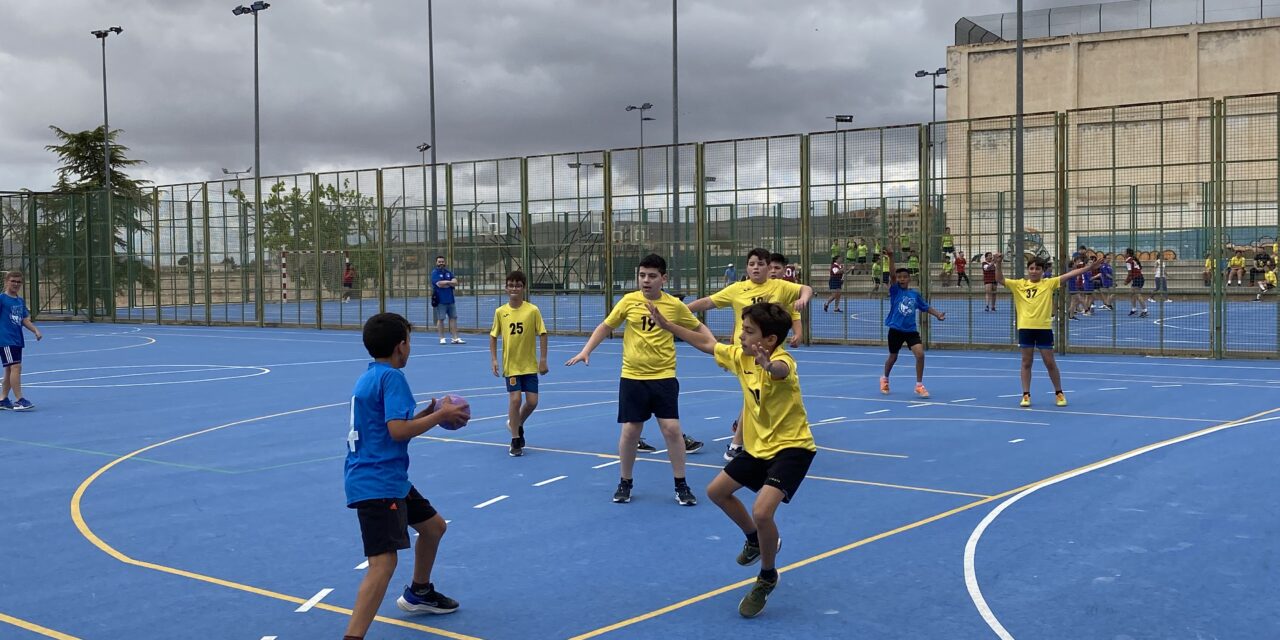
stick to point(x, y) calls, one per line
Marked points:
point(778, 258)
point(758, 252)
point(439, 257)
point(654, 261)
point(1044, 264)
point(772, 319)
point(518, 276)
point(382, 332)
point(902, 270)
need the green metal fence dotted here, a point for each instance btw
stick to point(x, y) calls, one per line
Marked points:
point(1185, 182)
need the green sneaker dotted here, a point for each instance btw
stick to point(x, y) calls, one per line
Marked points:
point(753, 603)
point(750, 553)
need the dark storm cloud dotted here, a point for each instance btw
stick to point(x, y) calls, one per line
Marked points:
point(344, 84)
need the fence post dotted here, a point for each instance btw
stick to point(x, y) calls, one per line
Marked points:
point(208, 251)
point(925, 219)
point(155, 253)
point(448, 218)
point(316, 247)
point(382, 248)
point(700, 216)
point(88, 257)
point(526, 222)
point(1217, 222)
point(607, 287)
point(806, 232)
point(1063, 341)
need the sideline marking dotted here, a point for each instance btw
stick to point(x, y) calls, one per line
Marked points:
point(362, 566)
point(1113, 388)
point(549, 481)
point(831, 419)
point(1017, 440)
point(313, 601)
point(609, 464)
point(871, 413)
point(810, 560)
point(1164, 386)
point(863, 453)
point(971, 547)
point(77, 516)
point(490, 501)
point(35, 628)
point(965, 400)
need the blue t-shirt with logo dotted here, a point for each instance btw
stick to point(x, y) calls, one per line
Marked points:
point(904, 304)
point(443, 294)
point(13, 310)
point(377, 465)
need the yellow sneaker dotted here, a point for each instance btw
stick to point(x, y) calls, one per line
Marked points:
point(1026, 400)
point(1060, 398)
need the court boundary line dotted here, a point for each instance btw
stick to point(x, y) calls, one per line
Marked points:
point(971, 546)
point(842, 549)
point(35, 628)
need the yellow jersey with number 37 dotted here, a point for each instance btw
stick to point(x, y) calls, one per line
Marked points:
point(649, 351)
point(773, 415)
point(1033, 301)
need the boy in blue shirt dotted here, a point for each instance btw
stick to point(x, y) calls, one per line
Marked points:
point(13, 317)
point(377, 475)
point(904, 303)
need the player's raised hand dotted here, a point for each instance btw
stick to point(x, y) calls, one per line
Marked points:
point(942, 316)
point(583, 357)
point(800, 304)
point(761, 356)
point(657, 316)
point(997, 257)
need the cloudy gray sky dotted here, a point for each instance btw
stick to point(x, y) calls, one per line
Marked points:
point(344, 83)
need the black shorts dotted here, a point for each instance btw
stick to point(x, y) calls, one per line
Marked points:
point(10, 356)
point(896, 338)
point(862, 259)
point(884, 277)
point(1138, 282)
point(640, 399)
point(835, 285)
point(384, 522)
point(786, 471)
point(1035, 338)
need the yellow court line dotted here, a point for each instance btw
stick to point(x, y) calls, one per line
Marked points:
point(78, 517)
point(892, 532)
point(33, 627)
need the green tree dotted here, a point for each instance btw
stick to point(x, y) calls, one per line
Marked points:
point(87, 259)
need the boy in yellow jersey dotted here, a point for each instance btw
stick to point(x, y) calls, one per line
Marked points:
point(1268, 282)
point(1033, 302)
point(779, 445)
point(519, 323)
point(648, 386)
point(757, 288)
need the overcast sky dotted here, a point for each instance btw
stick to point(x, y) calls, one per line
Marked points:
point(344, 83)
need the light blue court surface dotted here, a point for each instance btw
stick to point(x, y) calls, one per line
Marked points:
point(1182, 324)
point(186, 482)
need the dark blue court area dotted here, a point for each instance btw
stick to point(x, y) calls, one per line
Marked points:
point(186, 482)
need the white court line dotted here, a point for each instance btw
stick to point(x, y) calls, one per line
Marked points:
point(1016, 440)
point(922, 404)
point(607, 464)
point(1164, 386)
point(1222, 384)
point(362, 566)
point(869, 413)
point(1010, 395)
point(489, 502)
point(965, 400)
point(831, 419)
point(729, 437)
point(654, 453)
point(549, 481)
point(1113, 388)
point(306, 606)
point(268, 638)
point(970, 547)
point(712, 418)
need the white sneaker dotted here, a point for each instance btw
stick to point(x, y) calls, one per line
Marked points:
point(459, 341)
point(443, 341)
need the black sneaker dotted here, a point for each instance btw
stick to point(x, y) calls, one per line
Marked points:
point(645, 446)
point(430, 602)
point(691, 445)
point(684, 495)
point(731, 451)
point(517, 447)
point(750, 553)
point(623, 494)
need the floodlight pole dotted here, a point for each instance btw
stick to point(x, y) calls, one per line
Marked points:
point(1019, 201)
point(431, 75)
point(258, 254)
point(675, 140)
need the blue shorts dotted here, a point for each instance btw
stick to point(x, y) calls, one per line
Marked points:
point(443, 311)
point(527, 383)
point(10, 355)
point(1035, 338)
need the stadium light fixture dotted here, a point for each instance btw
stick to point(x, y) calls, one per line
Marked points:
point(240, 10)
point(102, 34)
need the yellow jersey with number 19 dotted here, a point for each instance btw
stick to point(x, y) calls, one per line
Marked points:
point(1033, 301)
point(744, 294)
point(648, 351)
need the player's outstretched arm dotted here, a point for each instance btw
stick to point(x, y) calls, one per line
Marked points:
point(31, 326)
point(797, 333)
point(444, 411)
point(702, 304)
point(702, 339)
point(940, 315)
point(602, 331)
point(998, 261)
point(1075, 272)
point(777, 369)
point(806, 294)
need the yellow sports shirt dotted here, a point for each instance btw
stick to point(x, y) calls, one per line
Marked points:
point(773, 416)
point(1033, 301)
point(519, 328)
point(1236, 262)
point(1271, 277)
point(648, 351)
point(741, 295)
